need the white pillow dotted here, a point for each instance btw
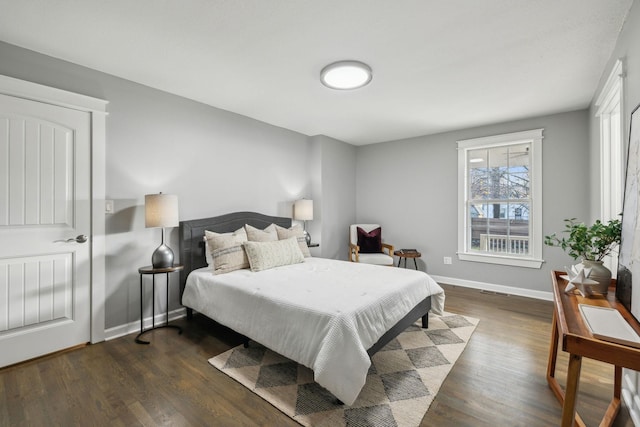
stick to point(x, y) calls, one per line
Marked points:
point(226, 249)
point(265, 255)
point(269, 234)
point(207, 251)
point(297, 232)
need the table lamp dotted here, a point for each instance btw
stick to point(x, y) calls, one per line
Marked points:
point(161, 210)
point(303, 211)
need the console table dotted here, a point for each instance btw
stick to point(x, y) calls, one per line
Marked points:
point(577, 340)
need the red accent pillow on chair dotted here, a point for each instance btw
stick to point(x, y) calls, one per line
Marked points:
point(370, 242)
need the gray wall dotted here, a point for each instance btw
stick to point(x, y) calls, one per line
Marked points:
point(332, 177)
point(627, 48)
point(215, 161)
point(338, 196)
point(410, 187)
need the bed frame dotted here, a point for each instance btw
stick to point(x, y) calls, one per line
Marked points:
point(192, 256)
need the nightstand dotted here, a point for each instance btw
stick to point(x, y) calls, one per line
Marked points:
point(313, 245)
point(153, 272)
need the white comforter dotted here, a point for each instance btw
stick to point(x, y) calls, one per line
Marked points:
point(322, 313)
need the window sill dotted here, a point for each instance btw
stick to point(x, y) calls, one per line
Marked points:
point(502, 260)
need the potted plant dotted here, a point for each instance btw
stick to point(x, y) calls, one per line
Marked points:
point(591, 244)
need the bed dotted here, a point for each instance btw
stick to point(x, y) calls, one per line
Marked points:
point(328, 315)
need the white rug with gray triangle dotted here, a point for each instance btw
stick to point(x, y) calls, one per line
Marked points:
point(403, 380)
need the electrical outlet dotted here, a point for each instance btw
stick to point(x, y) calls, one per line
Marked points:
point(447, 260)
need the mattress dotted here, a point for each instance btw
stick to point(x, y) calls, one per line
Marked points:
point(322, 313)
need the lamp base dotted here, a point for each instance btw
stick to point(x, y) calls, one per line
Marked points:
point(162, 257)
point(307, 237)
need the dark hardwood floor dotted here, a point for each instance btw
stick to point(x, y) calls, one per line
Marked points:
point(498, 381)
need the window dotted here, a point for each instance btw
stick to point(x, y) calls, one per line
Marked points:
point(612, 164)
point(500, 199)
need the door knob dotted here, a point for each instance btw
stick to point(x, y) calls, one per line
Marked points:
point(81, 238)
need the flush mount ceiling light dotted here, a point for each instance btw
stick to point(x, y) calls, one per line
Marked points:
point(345, 75)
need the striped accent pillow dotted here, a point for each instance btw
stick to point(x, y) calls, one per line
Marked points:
point(227, 252)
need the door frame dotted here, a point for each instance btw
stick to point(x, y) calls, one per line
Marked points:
point(97, 109)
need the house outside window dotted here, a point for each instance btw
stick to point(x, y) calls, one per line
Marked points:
point(500, 199)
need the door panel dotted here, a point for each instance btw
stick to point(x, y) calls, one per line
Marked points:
point(37, 290)
point(38, 174)
point(44, 201)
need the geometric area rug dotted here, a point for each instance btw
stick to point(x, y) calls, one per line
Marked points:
point(403, 379)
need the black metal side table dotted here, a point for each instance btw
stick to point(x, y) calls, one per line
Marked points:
point(153, 271)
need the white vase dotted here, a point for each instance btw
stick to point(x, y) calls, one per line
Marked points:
point(600, 274)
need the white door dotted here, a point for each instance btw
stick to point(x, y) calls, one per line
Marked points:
point(45, 200)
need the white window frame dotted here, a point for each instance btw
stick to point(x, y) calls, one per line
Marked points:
point(612, 159)
point(534, 137)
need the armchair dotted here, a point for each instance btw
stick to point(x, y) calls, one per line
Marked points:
point(372, 250)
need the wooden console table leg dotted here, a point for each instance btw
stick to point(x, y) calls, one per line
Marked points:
point(551, 365)
point(551, 370)
point(571, 393)
point(617, 382)
point(614, 406)
point(553, 347)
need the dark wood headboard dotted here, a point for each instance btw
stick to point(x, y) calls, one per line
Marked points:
point(192, 248)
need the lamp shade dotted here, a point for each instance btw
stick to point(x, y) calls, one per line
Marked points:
point(303, 210)
point(161, 210)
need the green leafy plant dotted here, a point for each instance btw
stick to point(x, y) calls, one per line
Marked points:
point(589, 243)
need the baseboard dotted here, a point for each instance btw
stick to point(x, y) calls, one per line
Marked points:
point(130, 328)
point(502, 289)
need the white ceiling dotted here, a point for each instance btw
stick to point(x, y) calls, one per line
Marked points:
point(438, 65)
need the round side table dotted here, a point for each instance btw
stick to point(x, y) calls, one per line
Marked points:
point(405, 254)
point(153, 271)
